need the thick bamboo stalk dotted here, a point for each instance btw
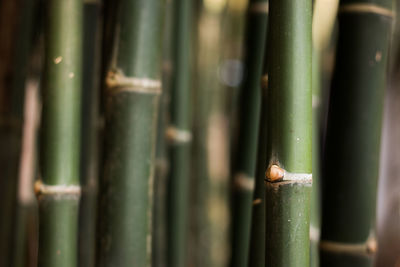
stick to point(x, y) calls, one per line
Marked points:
point(133, 89)
point(179, 134)
point(351, 156)
point(58, 189)
point(89, 133)
point(288, 177)
point(250, 97)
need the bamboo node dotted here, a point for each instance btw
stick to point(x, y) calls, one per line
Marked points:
point(259, 8)
point(178, 136)
point(117, 82)
point(243, 182)
point(257, 201)
point(275, 174)
point(42, 189)
point(264, 81)
point(368, 248)
point(366, 8)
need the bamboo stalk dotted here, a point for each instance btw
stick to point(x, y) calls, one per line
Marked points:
point(352, 145)
point(250, 97)
point(16, 32)
point(210, 213)
point(89, 133)
point(324, 14)
point(130, 134)
point(288, 177)
point(257, 237)
point(159, 249)
point(179, 134)
point(58, 189)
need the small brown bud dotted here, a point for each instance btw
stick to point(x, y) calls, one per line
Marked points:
point(274, 173)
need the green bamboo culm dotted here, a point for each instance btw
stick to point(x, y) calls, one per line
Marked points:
point(352, 145)
point(257, 233)
point(179, 135)
point(132, 99)
point(159, 234)
point(288, 176)
point(58, 188)
point(89, 133)
point(250, 97)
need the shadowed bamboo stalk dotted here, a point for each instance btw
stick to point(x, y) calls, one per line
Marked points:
point(352, 145)
point(89, 133)
point(257, 236)
point(324, 15)
point(179, 134)
point(58, 189)
point(250, 98)
point(11, 100)
point(159, 243)
point(16, 34)
point(288, 177)
point(133, 89)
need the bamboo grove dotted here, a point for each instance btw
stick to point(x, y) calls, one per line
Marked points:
point(205, 133)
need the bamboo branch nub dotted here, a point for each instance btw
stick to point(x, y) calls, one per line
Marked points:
point(274, 173)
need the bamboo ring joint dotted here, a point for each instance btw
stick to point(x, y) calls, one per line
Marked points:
point(368, 248)
point(178, 136)
point(117, 83)
point(366, 8)
point(57, 190)
point(243, 182)
point(275, 174)
point(259, 8)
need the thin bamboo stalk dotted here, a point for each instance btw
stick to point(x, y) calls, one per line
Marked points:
point(130, 134)
point(250, 97)
point(352, 145)
point(89, 133)
point(257, 237)
point(210, 213)
point(288, 177)
point(324, 14)
point(58, 189)
point(179, 134)
point(159, 243)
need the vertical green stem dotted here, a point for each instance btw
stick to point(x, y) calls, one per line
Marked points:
point(89, 133)
point(179, 133)
point(352, 144)
point(250, 98)
point(288, 177)
point(257, 236)
point(133, 89)
point(159, 243)
point(58, 188)
point(210, 213)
